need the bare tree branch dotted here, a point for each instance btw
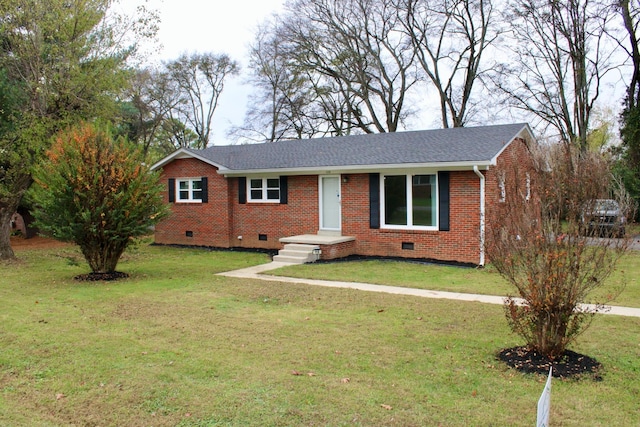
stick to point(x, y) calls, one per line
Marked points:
point(450, 38)
point(561, 59)
point(199, 79)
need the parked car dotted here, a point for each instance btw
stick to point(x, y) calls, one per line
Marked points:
point(604, 217)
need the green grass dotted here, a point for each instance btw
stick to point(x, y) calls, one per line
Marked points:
point(405, 274)
point(485, 281)
point(176, 345)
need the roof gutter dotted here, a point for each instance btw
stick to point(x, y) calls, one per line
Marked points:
point(353, 169)
point(482, 213)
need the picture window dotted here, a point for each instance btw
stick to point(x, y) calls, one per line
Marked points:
point(410, 201)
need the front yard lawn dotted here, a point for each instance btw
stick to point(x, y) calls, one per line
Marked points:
point(176, 345)
point(485, 281)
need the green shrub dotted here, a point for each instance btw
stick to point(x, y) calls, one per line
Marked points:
point(96, 192)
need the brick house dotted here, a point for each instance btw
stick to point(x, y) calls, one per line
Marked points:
point(420, 194)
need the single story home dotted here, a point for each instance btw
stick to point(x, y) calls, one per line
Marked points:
point(419, 194)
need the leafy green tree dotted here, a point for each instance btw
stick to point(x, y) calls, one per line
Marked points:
point(627, 169)
point(15, 160)
point(68, 59)
point(96, 192)
point(628, 166)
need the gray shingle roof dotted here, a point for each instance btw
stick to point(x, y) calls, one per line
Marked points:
point(472, 144)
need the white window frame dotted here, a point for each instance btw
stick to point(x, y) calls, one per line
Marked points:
point(190, 190)
point(264, 189)
point(409, 196)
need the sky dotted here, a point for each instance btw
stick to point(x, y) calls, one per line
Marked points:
point(218, 26)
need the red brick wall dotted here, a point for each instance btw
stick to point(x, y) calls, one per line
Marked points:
point(460, 244)
point(275, 220)
point(513, 165)
point(340, 250)
point(209, 222)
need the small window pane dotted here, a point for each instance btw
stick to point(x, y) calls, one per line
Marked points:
point(184, 185)
point(184, 195)
point(197, 185)
point(256, 183)
point(273, 194)
point(395, 196)
point(256, 194)
point(423, 200)
point(197, 195)
point(273, 183)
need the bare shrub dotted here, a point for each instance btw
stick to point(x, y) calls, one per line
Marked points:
point(538, 242)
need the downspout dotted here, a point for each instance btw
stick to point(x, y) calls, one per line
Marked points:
point(482, 214)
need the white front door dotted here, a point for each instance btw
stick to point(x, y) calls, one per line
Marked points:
point(330, 215)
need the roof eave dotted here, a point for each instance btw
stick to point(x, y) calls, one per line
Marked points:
point(328, 170)
point(526, 133)
point(184, 153)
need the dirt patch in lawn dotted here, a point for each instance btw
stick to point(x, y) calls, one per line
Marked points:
point(19, 243)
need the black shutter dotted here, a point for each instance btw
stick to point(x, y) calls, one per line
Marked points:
point(284, 190)
point(443, 200)
point(374, 200)
point(205, 189)
point(242, 190)
point(172, 190)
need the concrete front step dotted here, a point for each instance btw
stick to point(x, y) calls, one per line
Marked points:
point(297, 253)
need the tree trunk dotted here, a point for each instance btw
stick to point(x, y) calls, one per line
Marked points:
point(5, 234)
point(103, 258)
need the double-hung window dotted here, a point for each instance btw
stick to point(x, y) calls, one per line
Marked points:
point(410, 201)
point(264, 190)
point(189, 190)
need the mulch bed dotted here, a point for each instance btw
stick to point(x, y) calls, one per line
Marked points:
point(98, 277)
point(570, 365)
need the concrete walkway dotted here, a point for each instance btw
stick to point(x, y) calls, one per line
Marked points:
point(255, 273)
